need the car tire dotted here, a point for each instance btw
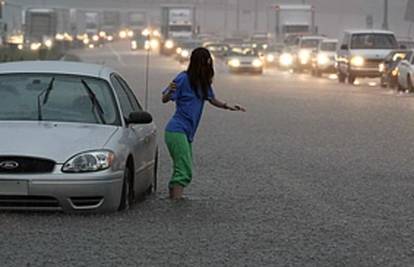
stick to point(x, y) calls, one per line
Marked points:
point(341, 77)
point(127, 197)
point(154, 185)
point(351, 79)
point(410, 86)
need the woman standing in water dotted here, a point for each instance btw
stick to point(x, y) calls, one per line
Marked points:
point(189, 90)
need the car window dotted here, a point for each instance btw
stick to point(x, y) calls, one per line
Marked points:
point(132, 98)
point(70, 98)
point(373, 41)
point(309, 43)
point(328, 46)
point(126, 105)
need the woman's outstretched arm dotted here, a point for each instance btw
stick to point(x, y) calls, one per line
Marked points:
point(223, 105)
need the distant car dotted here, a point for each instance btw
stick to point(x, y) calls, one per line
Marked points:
point(241, 59)
point(303, 55)
point(406, 73)
point(271, 55)
point(186, 48)
point(218, 50)
point(168, 47)
point(362, 51)
point(77, 139)
point(324, 59)
point(390, 67)
point(406, 43)
point(138, 42)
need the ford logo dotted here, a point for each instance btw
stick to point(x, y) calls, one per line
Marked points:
point(9, 165)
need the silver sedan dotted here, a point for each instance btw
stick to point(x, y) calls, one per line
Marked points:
point(74, 138)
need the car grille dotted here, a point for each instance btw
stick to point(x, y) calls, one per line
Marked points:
point(11, 165)
point(19, 202)
point(372, 63)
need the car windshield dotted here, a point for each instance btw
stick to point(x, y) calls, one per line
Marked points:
point(373, 41)
point(329, 47)
point(59, 98)
point(241, 51)
point(310, 43)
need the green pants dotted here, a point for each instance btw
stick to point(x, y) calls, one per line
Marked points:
point(181, 153)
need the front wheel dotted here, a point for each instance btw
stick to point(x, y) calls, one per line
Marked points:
point(341, 77)
point(127, 197)
point(154, 185)
point(351, 79)
point(410, 86)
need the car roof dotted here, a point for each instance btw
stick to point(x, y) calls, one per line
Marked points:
point(369, 31)
point(57, 67)
point(330, 41)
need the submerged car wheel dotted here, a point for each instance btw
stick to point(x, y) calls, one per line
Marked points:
point(351, 79)
point(410, 86)
point(154, 186)
point(341, 77)
point(127, 197)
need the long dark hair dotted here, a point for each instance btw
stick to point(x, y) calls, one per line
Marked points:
point(201, 72)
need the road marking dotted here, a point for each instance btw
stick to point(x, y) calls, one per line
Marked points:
point(117, 55)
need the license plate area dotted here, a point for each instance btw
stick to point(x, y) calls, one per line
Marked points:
point(14, 188)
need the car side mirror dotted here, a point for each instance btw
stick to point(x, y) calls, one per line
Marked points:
point(139, 117)
point(344, 47)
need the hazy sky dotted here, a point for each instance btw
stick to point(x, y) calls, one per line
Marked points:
point(332, 15)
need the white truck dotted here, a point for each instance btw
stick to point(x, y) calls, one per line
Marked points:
point(40, 27)
point(178, 22)
point(294, 20)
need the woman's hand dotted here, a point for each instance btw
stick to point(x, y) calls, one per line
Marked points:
point(166, 97)
point(236, 107)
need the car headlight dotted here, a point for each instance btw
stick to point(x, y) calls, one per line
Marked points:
point(270, 58)
point(95, 38)
point(185, 53)
point(304, 56)
point(235, 63)
point(179, 50)
point(89, 162)
point(134, 45)
point(395, 72)
point(286, 60)
point(357, 61)
point(169, 44)
point(35, 46)
point(49, 43)
point(323, 59)
point(257, 63)
point(381, 67)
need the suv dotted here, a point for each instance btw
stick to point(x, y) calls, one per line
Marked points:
point(306, 46)
point(324, 58)
point(361, 52)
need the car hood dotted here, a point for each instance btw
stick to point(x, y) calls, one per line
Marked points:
point(371, 53)
point(55, 141)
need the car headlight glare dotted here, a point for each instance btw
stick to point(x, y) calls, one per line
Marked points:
point(235, 63)
point(323, 59)
point(185, 53)
point(169, 44)
point(304, 56)
point(270, 58)
point(286, 60)
point(381, 67)
point(357, 61)
point(89, 162)
point(257, 63)
point(134, 45)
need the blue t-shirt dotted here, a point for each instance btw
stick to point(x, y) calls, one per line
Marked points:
point(189, 107)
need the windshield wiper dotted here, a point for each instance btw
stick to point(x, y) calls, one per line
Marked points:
point(95, 102)
point(39, 97)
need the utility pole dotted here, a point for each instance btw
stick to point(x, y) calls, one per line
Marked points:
point(256, 15)
point(226, 13)
point(238, 16)
point(385, 24)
